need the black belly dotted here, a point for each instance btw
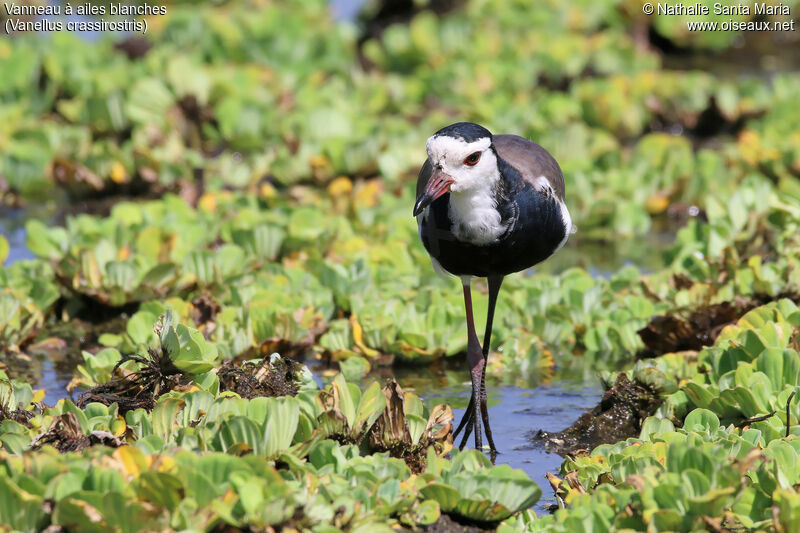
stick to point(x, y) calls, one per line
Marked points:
point(538, 231)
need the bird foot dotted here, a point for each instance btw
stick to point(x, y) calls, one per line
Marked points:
point(472, 423)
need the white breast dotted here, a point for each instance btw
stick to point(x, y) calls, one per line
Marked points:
point(475, 217)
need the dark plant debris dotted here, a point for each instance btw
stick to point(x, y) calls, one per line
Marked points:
point(673, 333)
point(455, 524)
point(618, 416)
point(205, 309)
point(747, 421)
point(134, 47)
point(251, 380)
point(13, 412)
point(20, 416)
point(392, 423)
point(65, 435)
point(699, 327)
point(138, 389)
point(390, 433)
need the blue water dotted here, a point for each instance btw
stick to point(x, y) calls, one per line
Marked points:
point(54, 381)
point(346, 10)
point(12, 227)
point(515, 413)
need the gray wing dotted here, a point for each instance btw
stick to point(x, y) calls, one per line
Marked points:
point(531, 161)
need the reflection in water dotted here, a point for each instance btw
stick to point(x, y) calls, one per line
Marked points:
point(515, 411)
point(54, 381)
point(51, 371)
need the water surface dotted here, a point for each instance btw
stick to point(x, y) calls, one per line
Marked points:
point(516, 412)
point(12, 227)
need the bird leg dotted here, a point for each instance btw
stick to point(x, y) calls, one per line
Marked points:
point(469, 419)
point(494, 289)
point(476, 362)
point(466, 419)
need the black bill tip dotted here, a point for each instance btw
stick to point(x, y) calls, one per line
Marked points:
point(423, 201)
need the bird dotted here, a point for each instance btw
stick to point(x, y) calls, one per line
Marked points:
point(487, 206)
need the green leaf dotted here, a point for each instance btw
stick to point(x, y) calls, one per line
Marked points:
point(416, 427)
point(45, 243)
point(370, 407)
point(77, 514)
point(424, 513)
point(701, 420)
point(186, 347)
point(446, 496)
point(787, 509)
point(263, 241)
point(412, 405)
point(654, 426)
point(4, 249)
point(160, 488)
point(164, 415)
point(354, 368)
point(698, 394)
point(238, 435)
point(346, 404)
point(280, 425)
point(140, 328)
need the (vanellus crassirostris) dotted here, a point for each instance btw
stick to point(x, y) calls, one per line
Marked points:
point(487, 206)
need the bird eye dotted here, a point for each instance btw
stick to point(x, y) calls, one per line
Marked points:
point(472, 159)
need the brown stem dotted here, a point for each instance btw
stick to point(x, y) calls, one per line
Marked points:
point(748, 421)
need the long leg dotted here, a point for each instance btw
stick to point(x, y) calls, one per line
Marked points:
point(494, 289)
point(466, 419)
point(476, 362)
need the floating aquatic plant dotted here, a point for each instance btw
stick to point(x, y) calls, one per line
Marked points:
point(277, 220)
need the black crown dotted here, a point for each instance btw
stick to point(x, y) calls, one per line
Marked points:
point(469, 131)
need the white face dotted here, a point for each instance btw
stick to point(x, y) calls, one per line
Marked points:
point(451, 154)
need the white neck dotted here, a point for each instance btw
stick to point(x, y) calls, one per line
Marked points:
point(474, 213)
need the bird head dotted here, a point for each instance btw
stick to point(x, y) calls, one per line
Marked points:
point(463, 159)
